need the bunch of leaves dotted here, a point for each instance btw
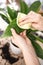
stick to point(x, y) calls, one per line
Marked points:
point(11, 16)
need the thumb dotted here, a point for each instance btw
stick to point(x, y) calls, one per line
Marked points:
point(35, 26)
point(13, 32)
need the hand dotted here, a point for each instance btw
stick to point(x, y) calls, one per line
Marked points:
point(36, 20)
point(26, 47)
point(20, 40)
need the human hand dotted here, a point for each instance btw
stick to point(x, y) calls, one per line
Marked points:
point(20, 40)
point(34, 18)
point(26, 47)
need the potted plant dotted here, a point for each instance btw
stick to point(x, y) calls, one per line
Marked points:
point(11, 18)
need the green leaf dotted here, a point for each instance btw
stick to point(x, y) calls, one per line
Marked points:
point(35, 6)
point(30, 35)
point(37, 47)
point(4, 18)
point(12, 13)
point(23, 7)
point(34, 37)
point(38, 38)
point(13, 24)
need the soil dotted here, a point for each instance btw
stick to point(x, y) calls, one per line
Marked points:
point(8, 58)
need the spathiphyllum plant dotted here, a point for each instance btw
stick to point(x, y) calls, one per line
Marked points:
point(12, 17)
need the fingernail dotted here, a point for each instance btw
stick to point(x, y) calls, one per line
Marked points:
point(11, 29)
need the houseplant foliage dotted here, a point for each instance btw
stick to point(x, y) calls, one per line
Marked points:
point(11, 18)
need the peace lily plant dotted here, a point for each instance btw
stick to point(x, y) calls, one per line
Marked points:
point(12, 17)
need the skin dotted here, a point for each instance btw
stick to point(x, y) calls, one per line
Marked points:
point(26, 47)
point(35, 19)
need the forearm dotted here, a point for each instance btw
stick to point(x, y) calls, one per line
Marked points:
point(30, 56)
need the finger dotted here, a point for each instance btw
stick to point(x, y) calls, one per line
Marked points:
point(13, 32)
point(24, 34)
point(27, 16)
point(29, 20)
point(22, 19)
point(36, 26)
point(28, 41)
point(25, 21)
point(21, 34)
point(12, 39)
point(30, 14)
point(14, 42)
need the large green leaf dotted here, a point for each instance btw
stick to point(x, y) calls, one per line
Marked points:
point(12, 13)
point(37, 47)
point(8, 30)
point(5, 18)
point(35, 6)
point(34, 37)
point(23, 7)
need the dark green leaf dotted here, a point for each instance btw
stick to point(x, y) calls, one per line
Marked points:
point(37, 47)
point(34, 37)
point(35, 6)
point(11, 25)
point(23, 7)
point(5, 18)
point(30, 35)
point(12, 13)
